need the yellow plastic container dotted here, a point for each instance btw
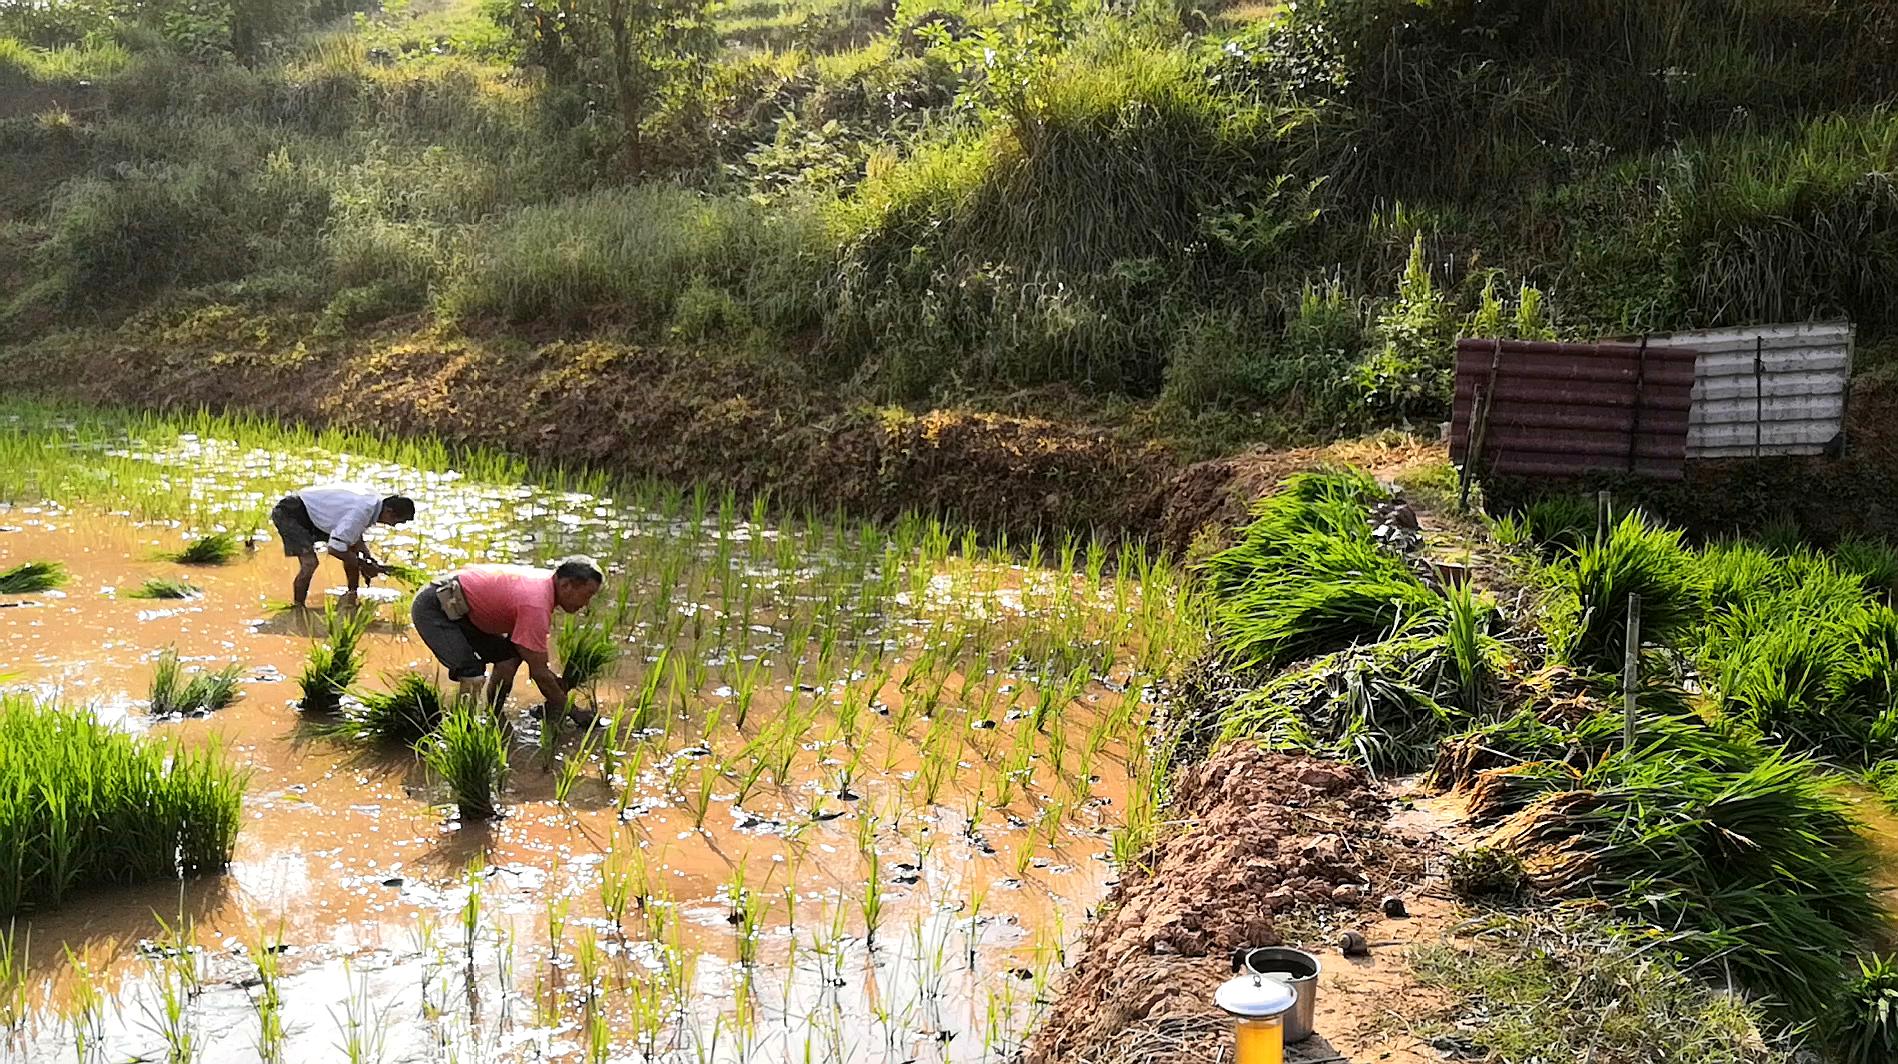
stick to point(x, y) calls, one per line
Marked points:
point(1258, 1004)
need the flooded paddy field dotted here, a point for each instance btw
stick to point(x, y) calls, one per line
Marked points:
point(850, 793)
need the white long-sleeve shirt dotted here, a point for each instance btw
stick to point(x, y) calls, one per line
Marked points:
point(342, 512)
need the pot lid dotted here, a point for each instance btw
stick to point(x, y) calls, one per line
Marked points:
point(1255, 996)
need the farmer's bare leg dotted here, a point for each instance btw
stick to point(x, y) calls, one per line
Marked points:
point(469, 689)
point(300, 587)
point(501, 683)
point(352, 571)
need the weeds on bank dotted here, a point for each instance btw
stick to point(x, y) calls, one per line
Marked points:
point(84, 805)
point(31, 578)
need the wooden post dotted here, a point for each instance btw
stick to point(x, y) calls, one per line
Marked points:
point(1631, 671)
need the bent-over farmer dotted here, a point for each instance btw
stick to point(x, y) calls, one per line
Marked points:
point(502, 615)
point(336, 515)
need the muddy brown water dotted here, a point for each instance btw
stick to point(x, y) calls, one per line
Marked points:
point(350, 857)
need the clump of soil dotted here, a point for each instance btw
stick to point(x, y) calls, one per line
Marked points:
point(1250, 835)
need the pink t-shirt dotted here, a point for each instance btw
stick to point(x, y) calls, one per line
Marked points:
point(516, 601)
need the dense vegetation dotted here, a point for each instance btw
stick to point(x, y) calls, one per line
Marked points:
point(1766, 685)
point(1280, 208)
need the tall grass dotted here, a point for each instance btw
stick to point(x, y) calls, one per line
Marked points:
point(83, 805)
point(469, 753)
point(29, 578)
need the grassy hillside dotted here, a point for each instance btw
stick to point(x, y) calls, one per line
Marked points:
point(1271, 218)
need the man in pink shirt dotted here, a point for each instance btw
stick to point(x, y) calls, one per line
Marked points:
point(502, 615)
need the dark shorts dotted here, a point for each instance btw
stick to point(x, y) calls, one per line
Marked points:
point(292, 520)
point(467, 651)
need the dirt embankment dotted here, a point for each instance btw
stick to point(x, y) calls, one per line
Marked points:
point(682, 416)
point(1254, 840)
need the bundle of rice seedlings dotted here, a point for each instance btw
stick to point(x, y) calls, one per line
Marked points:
point(158, 588)
point(1873, 561)
point(84, 804)
point(211, 548)
point(409, 576)
point(406, 713)
point(586, 651)
point(1588, 624)
point(334, 664)
point(1559, 522)
point(1863, 1028)
point(1762, 867)
point(31, 578)
point(206, 691)
point(469, 753)
point(1331, 501)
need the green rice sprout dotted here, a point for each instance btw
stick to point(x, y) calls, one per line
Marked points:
point(334, 664)
point(469, 753)
point(205, 691)
point(406, 713)
point(85, 805)
point(210, 548)
point(31, 578)
point(163, 589)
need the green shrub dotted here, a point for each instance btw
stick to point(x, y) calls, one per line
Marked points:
point(84, 805)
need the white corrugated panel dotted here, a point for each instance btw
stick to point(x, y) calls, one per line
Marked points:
point(1793, 403)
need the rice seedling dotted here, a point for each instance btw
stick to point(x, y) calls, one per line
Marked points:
point(267, 999)
point(872, 904)
point(363, 1027)
point(15, 947)
point(31, 578)
point(469, 752)
point(209, 548)
point(86, 804)
point(206, 691)
point(406, 713)
point(409, 576)
point(83, 1011)
point(334, 664)
point(1863, 1026)
point(557, 907)
point(163, 589)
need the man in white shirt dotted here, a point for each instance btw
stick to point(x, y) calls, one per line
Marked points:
point(338, 515)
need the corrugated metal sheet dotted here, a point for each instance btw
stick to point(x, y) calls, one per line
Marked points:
point(1567, 409)
point(1792, 402)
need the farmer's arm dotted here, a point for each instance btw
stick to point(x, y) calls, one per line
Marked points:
point(543, 676)
point(346, 543)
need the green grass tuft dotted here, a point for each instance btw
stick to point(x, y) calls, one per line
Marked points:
point(29, 578)
point(83, 805)
point(469, 753)
point(212, 548)
point(205, 691)
point(1864, 1027)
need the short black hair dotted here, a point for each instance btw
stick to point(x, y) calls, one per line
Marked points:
point(401, 506)
point(579, 569)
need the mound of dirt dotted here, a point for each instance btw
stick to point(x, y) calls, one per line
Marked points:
point(1251, 834)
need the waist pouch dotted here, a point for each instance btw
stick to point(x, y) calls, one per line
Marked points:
point(454, 602)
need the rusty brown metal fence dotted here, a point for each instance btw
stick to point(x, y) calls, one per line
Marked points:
point(1533, 408)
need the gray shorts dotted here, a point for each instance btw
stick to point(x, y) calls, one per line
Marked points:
point(294, 528)
point(467, 651)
